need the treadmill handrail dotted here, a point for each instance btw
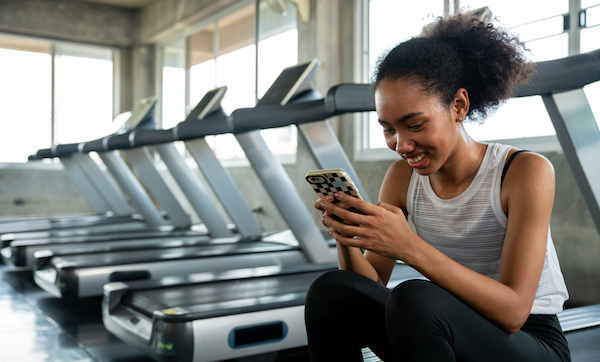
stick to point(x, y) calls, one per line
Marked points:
point(561, 75)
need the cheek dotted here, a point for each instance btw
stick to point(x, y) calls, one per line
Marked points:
point(390, 141)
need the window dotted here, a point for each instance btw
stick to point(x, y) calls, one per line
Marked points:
point(391, 22)
point(83, 93)
point(591, 31)
point(52, 93)
point(542, 28)
point(25, 97)
point(231, 50)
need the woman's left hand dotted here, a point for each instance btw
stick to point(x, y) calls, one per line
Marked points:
point(382, 229)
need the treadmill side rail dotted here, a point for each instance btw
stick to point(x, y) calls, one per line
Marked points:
point(273, 330)
point(163, 341)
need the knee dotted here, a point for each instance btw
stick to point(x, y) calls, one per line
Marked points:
point(415, 302)
point(409, 293)
point(326, 287)
point(327, 295)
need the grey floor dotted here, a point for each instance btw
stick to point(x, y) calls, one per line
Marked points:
point(36, 327)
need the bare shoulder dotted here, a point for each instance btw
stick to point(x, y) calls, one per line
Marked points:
point(395, 184)
point(529, 166)
point(529, 174)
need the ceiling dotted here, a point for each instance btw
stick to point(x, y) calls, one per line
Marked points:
point(134, 4)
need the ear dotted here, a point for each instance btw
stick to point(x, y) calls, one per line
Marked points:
point(460, 105)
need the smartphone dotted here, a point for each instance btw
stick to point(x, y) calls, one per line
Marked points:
point(328, 182)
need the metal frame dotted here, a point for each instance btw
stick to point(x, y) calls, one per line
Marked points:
point(579, 136)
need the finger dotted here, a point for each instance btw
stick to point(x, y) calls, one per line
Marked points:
point(351, 216)
point(342, 228)
point(345, 239)
point(332, 208)
point(355, 202)
point(319, 205)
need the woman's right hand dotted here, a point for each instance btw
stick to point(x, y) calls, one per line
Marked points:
point(319, 203)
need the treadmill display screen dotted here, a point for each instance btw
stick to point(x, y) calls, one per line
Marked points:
point(286, 81)
point(257, 334)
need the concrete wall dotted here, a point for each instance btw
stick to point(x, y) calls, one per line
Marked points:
point(42, 190)
point(576, 239)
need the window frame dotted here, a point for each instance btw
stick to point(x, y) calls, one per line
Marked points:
point(361, 122)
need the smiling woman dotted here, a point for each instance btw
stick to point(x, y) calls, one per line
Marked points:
point(482, 229)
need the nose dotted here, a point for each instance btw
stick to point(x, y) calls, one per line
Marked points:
point(403, 145)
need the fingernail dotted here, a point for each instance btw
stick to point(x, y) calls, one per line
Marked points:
point(324, 221)
point(339, 195)
point(329, 197)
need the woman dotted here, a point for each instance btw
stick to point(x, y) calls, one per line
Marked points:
point(482, 228)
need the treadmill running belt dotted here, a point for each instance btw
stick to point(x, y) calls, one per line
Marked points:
point(224, 297)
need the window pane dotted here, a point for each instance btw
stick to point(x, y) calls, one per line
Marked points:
point(590, 39)
point(391, 22)
point(592, 16)
point(201, 62)
point(519, 117)
point(554, 47)
point(25, 103)
point(376, 139)
point(277, 44)
point(512, 13)
point(588, 3)
point(83, 93)
point(173, 84)
point(236, 59)
point(277, 49)
point(540, 29)
point(236, 69)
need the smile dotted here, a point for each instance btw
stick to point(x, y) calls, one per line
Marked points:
point(417, 158)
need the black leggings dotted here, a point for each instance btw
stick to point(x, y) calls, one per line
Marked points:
point(416, 321)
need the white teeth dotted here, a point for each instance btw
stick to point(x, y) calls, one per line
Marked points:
point(416, 159)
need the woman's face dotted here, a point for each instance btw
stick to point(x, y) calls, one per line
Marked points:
point(416, 125)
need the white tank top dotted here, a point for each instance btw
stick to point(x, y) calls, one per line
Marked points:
point(470, 228)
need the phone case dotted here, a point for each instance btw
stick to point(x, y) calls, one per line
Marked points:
point(328, 182)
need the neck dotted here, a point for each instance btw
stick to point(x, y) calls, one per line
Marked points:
point(460, 169)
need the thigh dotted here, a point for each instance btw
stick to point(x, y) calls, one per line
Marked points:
point(425, 322)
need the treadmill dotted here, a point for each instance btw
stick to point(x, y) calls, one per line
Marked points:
point(72, 275)
point(20, 252)
point(107, 201)
point(246, 311)
point(97, 182)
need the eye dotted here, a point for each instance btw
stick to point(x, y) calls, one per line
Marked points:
point(416, 127)
point(388, 130)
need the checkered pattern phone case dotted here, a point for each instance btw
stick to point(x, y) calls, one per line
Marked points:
point(334, 182)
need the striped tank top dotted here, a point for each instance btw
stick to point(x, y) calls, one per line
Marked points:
point(470, 228)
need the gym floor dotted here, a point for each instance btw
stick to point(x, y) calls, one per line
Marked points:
point(37, 327)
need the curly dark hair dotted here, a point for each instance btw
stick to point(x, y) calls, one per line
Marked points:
point(460, 52)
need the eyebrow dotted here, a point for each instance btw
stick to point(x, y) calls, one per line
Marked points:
point(404, 118)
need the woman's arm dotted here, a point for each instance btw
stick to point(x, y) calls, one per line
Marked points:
point(527, 196)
